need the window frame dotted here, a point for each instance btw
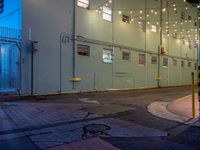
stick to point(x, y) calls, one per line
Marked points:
point(153, 62)
point(106, 8)
point(84, 47)
point(189, 64)
point(79, 2)
point(127, 56)
point(107, 50)
point(175, 62)
point(165, 63)
point(182, 64)
point(141, 62)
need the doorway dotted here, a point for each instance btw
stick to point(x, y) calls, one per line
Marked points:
point(9, 68)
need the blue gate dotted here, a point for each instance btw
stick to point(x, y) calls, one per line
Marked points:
point(9, 60)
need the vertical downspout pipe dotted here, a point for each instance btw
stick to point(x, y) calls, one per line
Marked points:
point(161, 18)
point(198, 60)
point(146, 57)
point(74, 42)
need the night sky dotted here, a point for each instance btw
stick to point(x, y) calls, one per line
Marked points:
point(11, 17)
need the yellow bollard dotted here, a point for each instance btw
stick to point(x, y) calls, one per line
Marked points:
point(193, 97)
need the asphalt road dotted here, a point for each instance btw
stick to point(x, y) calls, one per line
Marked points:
point(180, 136)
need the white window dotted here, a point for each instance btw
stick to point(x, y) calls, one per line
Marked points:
point(83, 3)
point(107, 13)
point(107, 55)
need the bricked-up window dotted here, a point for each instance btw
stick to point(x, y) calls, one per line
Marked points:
point(107, 13)
point(189, 64)
point(126, 55)
point(154, 59)
point(165, 62)
point(83, 3)
point(108, 56)
point(174, 62)
point(142, 59)
point(182, 64)
point(83, 50)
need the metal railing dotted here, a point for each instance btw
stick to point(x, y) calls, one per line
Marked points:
point(10, 34)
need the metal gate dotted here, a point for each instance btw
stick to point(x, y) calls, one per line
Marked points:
point(9, 60)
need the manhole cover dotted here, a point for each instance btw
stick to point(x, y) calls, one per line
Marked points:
point(96, 128)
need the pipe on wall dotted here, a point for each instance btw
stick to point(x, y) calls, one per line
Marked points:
point(74, 43)
point(161, 42)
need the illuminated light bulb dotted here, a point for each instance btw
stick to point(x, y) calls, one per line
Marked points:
point(148, 22)
point(164, 9)
point(181, 23)
point(186, 8)
point(174, 25)
point(110, 1)
point(147, 15)
point(140, 17)
point(96, 10)
point(141, 11)
point(156, 13)
point(106, 4)
point(131, 12)
point(152, 11)
point(186, 21)
point(119, 12)
point(157, 23)
point(184, 0)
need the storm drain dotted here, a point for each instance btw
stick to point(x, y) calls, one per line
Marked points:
point(96, 128)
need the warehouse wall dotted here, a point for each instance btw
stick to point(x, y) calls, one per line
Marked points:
point(44, 21)
point(49, 22)
point(132, 75)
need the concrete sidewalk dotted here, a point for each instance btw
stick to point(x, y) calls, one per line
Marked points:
point(179, 110)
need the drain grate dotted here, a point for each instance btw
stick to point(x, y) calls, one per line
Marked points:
point(96, 128)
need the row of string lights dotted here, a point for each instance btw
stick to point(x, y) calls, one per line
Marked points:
point(185, 28)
